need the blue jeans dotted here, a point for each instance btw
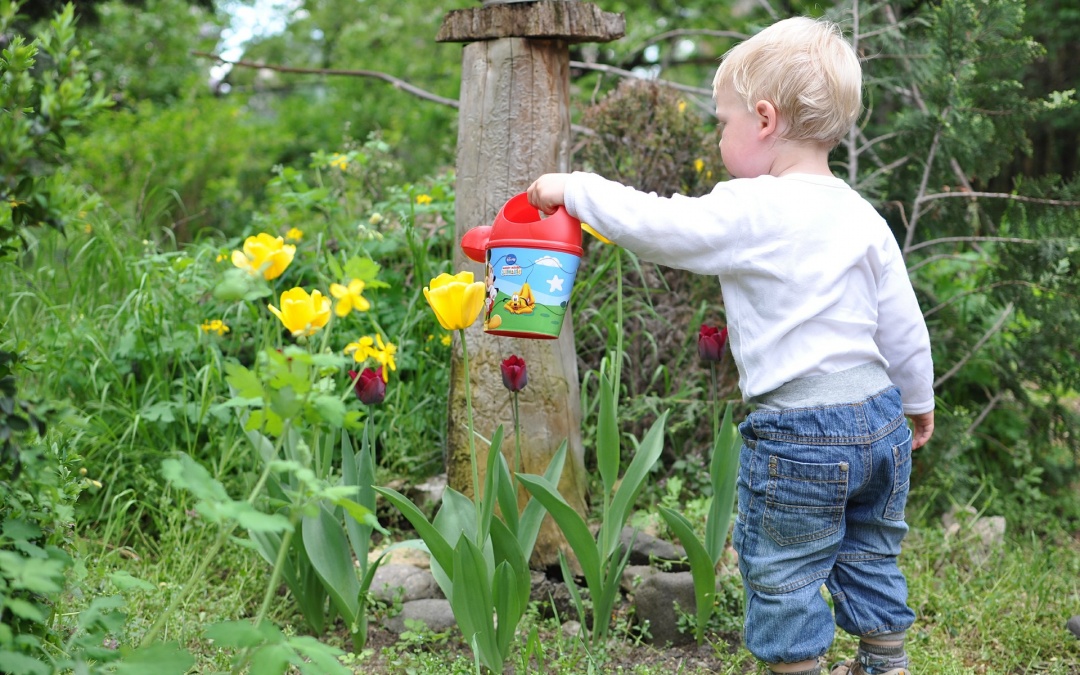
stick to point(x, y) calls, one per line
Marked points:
point(821, 500)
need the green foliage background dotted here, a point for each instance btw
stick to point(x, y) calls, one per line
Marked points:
point(130, 173)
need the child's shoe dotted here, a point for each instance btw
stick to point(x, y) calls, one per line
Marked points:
point(852, 667)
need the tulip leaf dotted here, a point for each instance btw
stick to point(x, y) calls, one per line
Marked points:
point(702, 567)
point(358, 469)
point(507, 605)
point(437, 545)
point(505, 494)
point(532, 516)
point(607, 436)
point(571, 524)
point(633, 480)
point(472, 602)
point(330, 555)
point(506, 549)
point(724, 470)
point(491, 485)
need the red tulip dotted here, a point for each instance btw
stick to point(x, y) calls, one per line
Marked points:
point(370, 388)
point(711, 342)
point(514, 374)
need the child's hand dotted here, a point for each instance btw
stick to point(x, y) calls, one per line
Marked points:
point(924, 429)
point(546, 192)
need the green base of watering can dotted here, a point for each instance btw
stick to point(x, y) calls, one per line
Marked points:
point(531, 263)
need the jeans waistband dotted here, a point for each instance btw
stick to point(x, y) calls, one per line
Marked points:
point(845, 386)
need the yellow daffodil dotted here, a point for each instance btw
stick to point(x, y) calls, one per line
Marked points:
point(349, 297)
point(456, 300)
point(294, 234)
point(385, 356)
point(423, 199)
point(265, 255)
point(362, 349)
point(301, 313)
point(215, 326)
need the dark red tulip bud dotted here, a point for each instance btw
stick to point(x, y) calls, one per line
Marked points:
point(711, 342)
point(514, 374)
point(370, 388)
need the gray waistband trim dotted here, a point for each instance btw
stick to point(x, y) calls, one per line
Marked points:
point(846, 386)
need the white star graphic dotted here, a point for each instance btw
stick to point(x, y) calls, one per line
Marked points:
point(556, 284)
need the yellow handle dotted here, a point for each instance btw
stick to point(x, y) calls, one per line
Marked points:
point(588, 228)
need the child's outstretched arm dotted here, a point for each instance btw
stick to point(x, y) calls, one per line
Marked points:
point(546, 192)
point(924, 429)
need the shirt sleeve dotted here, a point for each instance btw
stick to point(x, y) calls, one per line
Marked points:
point(689, 233)
point(902, 336)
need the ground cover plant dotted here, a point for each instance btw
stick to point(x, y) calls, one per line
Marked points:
point(203, 416)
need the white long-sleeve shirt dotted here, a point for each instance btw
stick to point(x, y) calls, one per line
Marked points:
point(812, 278)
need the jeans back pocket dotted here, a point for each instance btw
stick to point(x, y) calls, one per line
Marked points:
point(804, 502)
point(901, 483)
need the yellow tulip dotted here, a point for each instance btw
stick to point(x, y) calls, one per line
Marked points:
point(349, 297)
point(265, 255)
point(456, 300)
point(301, 313)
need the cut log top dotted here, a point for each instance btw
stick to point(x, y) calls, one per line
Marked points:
point(552, 19)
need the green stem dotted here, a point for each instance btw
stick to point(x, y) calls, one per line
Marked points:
point(472, 436)
point(517, 441)
point(713, 367)
point(211, 554)
point(271, 589)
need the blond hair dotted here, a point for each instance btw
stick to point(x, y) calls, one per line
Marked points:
point(806, 69)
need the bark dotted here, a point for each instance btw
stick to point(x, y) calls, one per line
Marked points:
point(514, 124)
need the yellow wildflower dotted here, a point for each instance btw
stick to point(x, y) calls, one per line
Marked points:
point(339, 161)
point(385, 356)
point(301, 313)
point(294, 234)
point(682, 106)
point(88, 228)
point(456, 300)
point(265, 255)
point(446, 340)
point(699, 164)
point(423, 199)
point(375, 219)
point(349, 297)
point(362, 349)
point(215, 326)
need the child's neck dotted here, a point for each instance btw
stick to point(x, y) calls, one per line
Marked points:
point(801, 158)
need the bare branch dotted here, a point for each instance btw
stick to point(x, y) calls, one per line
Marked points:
point(976, 347)
point(985, 411)
point(971, 240)
point(612, 70)
point(997, 195)
point(688, 32)
point(944, 256)
point(983, 289)
point(396, 82)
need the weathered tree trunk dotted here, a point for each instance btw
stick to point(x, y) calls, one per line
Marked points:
point(514, 124)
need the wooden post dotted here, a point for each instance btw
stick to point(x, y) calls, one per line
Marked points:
point(513, 125)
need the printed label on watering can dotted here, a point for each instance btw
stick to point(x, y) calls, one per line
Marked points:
point(528, 291)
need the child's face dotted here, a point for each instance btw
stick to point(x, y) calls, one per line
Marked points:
point(742, 145)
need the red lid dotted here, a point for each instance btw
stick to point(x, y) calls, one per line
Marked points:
point(520, 224)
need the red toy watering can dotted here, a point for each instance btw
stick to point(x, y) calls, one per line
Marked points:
point(531, 265)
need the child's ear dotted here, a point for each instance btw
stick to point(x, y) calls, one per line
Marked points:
point(768, 119)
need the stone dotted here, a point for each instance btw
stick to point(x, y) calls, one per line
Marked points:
point(435, 613)
point(647, 548)
point(633, 575)
point(982, 535)
point(552, 597)
point(1074, 626)
point(398, 582)
point(655, 601)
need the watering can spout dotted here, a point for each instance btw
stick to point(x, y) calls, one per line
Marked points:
point(475, 242)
